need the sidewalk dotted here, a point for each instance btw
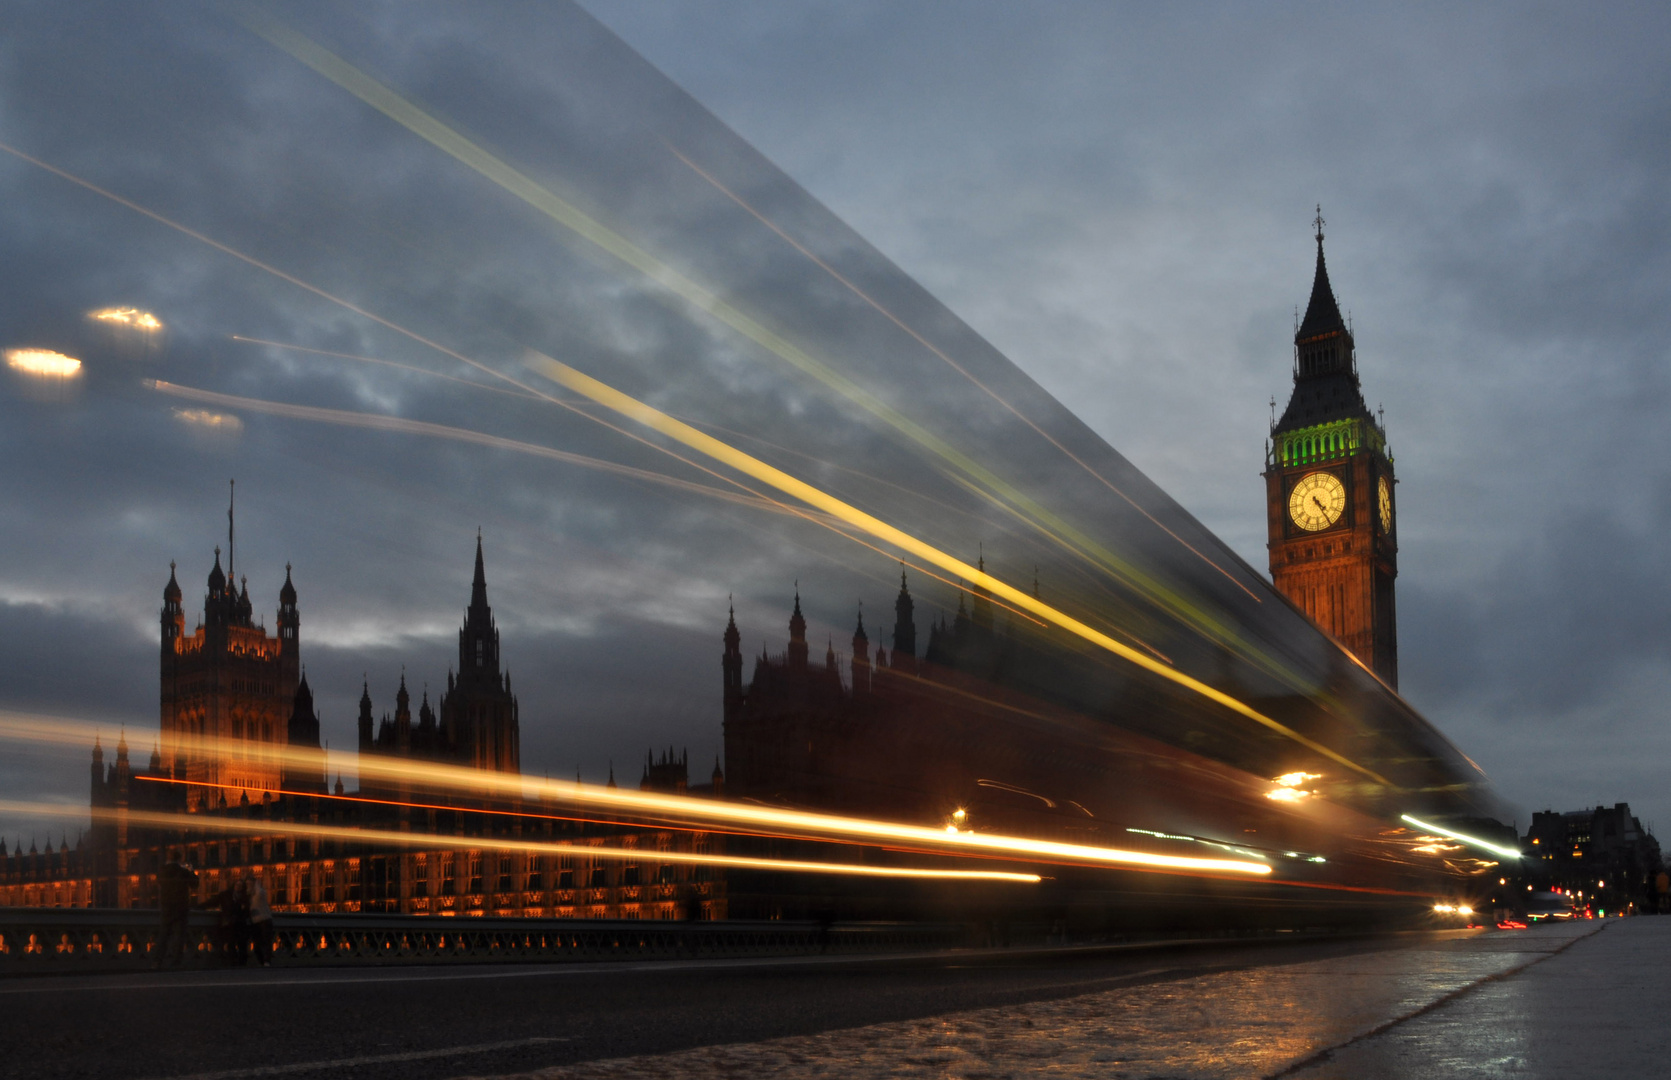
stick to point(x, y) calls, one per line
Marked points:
point(1599, 1010)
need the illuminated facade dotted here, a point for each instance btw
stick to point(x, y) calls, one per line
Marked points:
point(1330, 491)
point(225, 682)
point(228, 690)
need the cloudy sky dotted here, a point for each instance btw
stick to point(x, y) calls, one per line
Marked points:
point(1117, 198)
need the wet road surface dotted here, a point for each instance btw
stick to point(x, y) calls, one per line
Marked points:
point(1213, 1010)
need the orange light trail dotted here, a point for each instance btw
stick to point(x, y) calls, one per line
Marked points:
point(481, 783)
point(209, 822)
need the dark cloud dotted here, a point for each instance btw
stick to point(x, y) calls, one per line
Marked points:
point(1115, 198)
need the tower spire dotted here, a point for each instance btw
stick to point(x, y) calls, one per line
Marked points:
point(231, 550)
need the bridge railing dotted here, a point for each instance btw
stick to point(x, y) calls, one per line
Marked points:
point(43, 940)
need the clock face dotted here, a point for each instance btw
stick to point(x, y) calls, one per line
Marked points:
point(1384, 500)
point(1317, 501)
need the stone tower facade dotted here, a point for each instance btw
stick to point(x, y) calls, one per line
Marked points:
point(228, 692)
point(1330, 491)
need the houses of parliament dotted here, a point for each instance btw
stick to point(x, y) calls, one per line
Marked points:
point(240, 749)
point(906, 728)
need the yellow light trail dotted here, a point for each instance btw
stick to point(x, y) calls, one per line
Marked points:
point(43, 362)
point(467, 152)
point(216, 823)
point(877, 306)
point(748, 465)
point(480, 783)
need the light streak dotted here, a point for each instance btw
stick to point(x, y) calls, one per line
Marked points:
point(381, 422)
point(127, 316)
point(1288, 787)
point(482, 783)
point(214, 822)
point(420, 339)
point(954, 365)
point(959, 567)
point(387, 363)
point(213, 421)
point(397, 328)
point(1486, 845)
point(726, 454)
point(457, 145)
point(43, 362)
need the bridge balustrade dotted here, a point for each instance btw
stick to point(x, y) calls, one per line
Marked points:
point(42, 940)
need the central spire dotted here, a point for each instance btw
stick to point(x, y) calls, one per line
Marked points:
point(478, 586)
point(1322, 313)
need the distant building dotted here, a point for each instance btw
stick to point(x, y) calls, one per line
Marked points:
point(1603, 856)
point(232, 697)
point(1330, 491)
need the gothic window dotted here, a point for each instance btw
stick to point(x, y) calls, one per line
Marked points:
point(353, 879)
point(420, 874)
point(480, 647)
point(505, 871)
point(448, 883)
point(475, 871)
point(533, 873)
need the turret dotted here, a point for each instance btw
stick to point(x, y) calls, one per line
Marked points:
point(215, 607)
point(289, 621)
point(403, 717)
point(731, 663)
point(478, 638)
point(797, 637)
point(365, 717)
point(861, 659)
point(905, 629)
point(98, 786)
point(173, 614)
point(982, 607)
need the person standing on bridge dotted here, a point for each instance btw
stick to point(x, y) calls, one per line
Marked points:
point(174, 884)
point(260, 921)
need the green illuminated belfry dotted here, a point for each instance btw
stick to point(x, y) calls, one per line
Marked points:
point(1330, 490)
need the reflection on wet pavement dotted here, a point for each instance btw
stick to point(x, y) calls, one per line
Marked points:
point(1237, 1024)
point(1597, 1010)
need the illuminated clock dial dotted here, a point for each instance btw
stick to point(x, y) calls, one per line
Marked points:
point(1383, 492)
point(1317, 501)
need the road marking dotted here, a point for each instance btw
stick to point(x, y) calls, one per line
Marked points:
point(370, 1059)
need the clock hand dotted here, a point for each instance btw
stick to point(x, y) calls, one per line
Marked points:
point(1320, 505)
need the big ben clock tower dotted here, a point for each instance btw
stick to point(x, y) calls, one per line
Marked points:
point(1329, 491)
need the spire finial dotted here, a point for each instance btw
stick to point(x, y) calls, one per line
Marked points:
point(231, 547)
point(1317, 224)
